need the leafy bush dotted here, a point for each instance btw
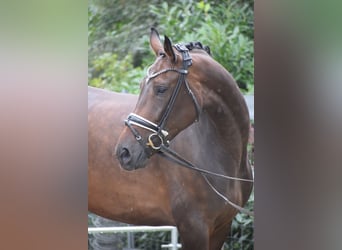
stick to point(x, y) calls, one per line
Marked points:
point(242, 230)
point(117, 75)
point(225, 26)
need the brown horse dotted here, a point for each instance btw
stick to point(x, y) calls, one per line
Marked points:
point(188, 104)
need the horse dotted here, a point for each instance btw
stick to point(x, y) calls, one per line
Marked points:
point(159, 158)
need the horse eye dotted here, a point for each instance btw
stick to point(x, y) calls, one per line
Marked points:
point(160, 90)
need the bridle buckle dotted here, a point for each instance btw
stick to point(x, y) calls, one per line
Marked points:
point(155, 141)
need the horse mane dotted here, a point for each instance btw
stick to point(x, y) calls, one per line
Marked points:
point(197, 45)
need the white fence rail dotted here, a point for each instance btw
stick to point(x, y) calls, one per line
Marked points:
point(174, 233)
point(250, 103)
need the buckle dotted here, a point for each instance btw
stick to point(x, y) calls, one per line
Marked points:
point(155, 141)
point(181, 47)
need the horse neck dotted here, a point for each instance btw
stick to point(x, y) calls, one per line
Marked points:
point(224, 118)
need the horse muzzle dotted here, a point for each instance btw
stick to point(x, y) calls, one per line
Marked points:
point(131, 157)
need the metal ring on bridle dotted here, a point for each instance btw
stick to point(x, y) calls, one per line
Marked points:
point(152, 144)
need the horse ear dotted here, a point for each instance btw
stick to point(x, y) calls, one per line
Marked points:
point(155, 42)
point(169, 50)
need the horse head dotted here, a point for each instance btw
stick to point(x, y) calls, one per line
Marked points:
point(169, 101)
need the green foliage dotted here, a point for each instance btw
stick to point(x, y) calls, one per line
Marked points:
point(234, 52)
point(151, 240)
point(117, 75)
point(121, 29)
point(227, 28)
point(242, 231)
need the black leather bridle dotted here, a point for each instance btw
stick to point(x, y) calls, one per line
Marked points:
point(158, 137)
point(157, 142)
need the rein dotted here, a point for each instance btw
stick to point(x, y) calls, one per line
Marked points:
point(181, 161)
point(157, 142)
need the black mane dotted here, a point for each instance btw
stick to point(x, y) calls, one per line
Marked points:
point(197, 45)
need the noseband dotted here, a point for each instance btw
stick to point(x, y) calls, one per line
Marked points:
point(158, 137)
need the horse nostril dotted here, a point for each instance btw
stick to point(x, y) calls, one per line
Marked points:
point(125, 155)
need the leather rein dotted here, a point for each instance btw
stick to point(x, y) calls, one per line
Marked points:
point(157, 142)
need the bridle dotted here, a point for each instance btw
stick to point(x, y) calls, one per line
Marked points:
point(157, 139)
point(157, 142)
